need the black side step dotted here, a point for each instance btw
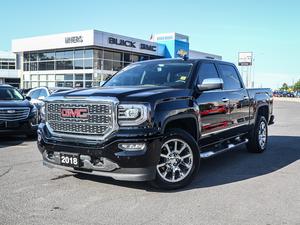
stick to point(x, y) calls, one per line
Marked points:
point(209, 154)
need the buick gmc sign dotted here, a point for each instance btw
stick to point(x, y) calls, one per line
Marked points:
point(74, 39)
point(131, 44)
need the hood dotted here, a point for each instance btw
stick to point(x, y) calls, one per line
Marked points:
point(136, 93)
point(14, 103)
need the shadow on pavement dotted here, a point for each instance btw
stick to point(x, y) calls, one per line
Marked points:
point(230, 167)
point(13, 140)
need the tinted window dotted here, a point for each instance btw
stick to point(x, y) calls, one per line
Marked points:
point(155, 74)
point(207, 70)
point(35, 94)
point(230, 77)
point(10, 94)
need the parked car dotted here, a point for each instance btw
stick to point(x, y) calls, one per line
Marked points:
point(17, 114)
point(24, 91)
point(288, 94)
point(39, 94)
point(154, 121)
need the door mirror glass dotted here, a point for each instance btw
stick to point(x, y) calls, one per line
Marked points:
point(28, 98)
point(210, 84)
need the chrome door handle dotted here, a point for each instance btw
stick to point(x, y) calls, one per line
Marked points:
point(225, 99)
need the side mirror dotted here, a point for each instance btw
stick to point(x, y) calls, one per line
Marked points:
point(210, 84)
point(41, 98)
point(28, 98)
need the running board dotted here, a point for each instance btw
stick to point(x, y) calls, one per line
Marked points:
point(209, 154)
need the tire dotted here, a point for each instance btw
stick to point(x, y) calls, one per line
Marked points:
point(258, 137)
point(176, 169)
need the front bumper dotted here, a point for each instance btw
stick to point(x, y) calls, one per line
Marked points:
point(104, 158)
point(28, 127)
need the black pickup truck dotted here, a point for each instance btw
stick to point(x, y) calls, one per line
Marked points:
point(154, 121)
point(17, 114)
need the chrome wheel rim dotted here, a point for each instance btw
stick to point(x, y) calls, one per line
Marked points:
point(176, 160)
point(262, 135)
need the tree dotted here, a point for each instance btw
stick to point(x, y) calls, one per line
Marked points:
point(297, 86)
point(284, 87)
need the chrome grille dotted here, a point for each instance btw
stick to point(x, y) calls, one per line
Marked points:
point(99, 119)
point(13, 114)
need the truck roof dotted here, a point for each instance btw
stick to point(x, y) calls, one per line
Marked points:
point(187, 60)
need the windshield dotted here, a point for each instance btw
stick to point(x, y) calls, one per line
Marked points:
point(171, 74)
point(10, 94)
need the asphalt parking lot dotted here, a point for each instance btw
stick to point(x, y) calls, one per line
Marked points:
point(234, 188)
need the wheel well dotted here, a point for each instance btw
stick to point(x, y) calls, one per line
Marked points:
point(263, 111)
point(187, 124)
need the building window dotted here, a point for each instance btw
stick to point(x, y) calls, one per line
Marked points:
point(78, 76)
point(134, 58)
point(78, 54)
point(46, 56)
point(98, 54)
point(68, 77)
point(33, 66)
point(33, 56)
point(108, 55)
point(117, 66)
point(89, 76)
point(88, 53)
point(88, 64)
point(46, 65)
point(78, 64)
point(64, 65)
point(78, 59)
point(107, 65)
point(117, 56)
point(64, 55)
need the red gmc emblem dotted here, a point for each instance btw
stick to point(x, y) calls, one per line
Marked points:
point(81, 113)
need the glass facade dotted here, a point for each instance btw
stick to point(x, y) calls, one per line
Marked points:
point(68, 68)
point(7, 64)
point(80, 59)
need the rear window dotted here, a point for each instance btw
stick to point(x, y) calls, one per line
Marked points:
point(230, 77)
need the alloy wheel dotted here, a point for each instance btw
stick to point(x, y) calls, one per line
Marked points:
point(176, 160)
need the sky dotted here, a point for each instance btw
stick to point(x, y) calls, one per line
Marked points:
point(270, 29)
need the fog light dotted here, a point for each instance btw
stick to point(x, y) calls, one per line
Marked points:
point(132, 146)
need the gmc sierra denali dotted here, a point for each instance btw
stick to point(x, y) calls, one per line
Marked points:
point(154, 121)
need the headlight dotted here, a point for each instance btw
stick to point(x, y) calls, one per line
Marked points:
point(132, 114)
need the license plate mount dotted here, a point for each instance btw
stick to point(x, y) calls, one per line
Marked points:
point(69, 159)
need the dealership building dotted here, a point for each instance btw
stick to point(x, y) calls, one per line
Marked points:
point(84, 58)
point(8, 71)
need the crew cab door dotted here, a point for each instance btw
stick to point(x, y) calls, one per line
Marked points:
point(237, 94)
point(213, 105)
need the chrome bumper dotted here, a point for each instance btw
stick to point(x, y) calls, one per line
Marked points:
point(106, 169)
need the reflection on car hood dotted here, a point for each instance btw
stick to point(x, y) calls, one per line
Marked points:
point(14, 103)
point(130, 93)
